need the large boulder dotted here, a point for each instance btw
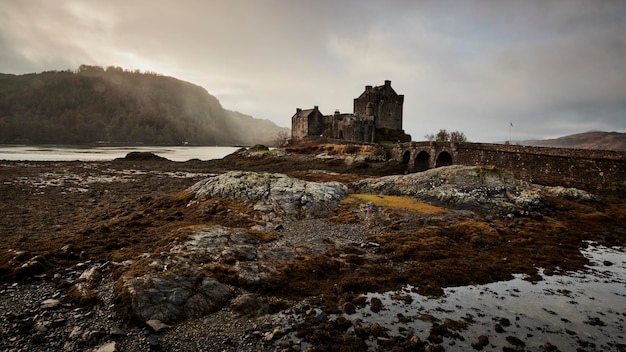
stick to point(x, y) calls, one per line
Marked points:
point(173, 285)
point(271, 193)
point(170, 296)
point(458, 185)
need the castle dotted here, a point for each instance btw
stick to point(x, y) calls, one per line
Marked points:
point(377, 117)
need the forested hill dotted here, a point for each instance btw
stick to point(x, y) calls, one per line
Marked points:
point(112, 105)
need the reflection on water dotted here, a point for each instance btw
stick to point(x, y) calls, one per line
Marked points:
point(585, 310)
point(56, 153)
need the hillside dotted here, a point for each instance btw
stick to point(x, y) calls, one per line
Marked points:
point(587, 140)
point(255, 131)
point(112, 105)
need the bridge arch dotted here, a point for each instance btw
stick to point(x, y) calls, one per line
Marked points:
point(422, 161)
point(443, 159)
point(406, 157)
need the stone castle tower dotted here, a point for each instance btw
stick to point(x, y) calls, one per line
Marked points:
point(377, 117)
point(383, 103)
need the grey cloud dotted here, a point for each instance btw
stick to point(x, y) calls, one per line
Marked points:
point(472, 66)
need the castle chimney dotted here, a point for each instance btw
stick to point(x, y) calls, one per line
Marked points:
point(387, 83)
point(298, 110)
point(368, 88)
point(316, 108)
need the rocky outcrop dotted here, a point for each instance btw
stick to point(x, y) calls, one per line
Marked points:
point(176, 284)
point(277, 195)
point(181, 283)
point(441, 182)
point(173, 295)
point(457, 185)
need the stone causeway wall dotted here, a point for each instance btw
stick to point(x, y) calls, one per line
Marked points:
point(580, 168)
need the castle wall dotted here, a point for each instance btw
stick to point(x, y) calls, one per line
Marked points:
point(349, 127)
point(299, 128)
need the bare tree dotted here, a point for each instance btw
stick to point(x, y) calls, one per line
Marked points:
point(281, 139)
point(442, 136)
point(458, 137)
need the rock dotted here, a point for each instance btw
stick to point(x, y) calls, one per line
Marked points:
point(143, 156)
point(348, 308)
point(549, 347)
point(50, 303)
point(59, 322)
point(513, 340)
point(376, 305)
point(76, 332)
point(32, 267)
point(173, 295)
point(157, 325)
point(116, 331)
point(378, 330)
point(107, 347)
point(571, 193)
point(529, 199)
point(459, 185)
point(249, 305)
point(274, 193)
point(82, 294)
point(504, 322)
point(483, 340)
point(91, 275)
point(41, 326)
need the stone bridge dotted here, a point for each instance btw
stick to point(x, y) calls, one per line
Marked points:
point(586, 169)
point(421, 156)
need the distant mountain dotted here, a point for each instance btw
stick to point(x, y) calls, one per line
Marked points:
point(587, 140)
point(113, 105)
point(256, 131)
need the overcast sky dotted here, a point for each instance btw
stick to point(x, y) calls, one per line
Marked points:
point(551, 68)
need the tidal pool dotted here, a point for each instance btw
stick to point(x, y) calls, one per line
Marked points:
point(582, 309)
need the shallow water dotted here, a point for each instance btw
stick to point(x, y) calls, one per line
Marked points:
point(61, 153)
point(585, 309)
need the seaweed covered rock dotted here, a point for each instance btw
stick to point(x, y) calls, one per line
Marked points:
point(172, 285)
point(201, 269)
point(170, 296)
point(143, 156)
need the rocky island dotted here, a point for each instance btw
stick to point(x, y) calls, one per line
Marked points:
point(328, 248)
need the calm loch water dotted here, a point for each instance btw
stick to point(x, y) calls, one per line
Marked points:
point(61, 153)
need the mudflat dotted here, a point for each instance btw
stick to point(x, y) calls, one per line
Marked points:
point(313, 275)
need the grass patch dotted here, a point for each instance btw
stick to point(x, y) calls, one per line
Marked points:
point(396, 202)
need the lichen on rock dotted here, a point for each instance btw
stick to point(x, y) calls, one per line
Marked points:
point(457, 185)
point(278, 194)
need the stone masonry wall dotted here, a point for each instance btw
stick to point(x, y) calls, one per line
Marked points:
point(580, 168)
point(586, 169)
